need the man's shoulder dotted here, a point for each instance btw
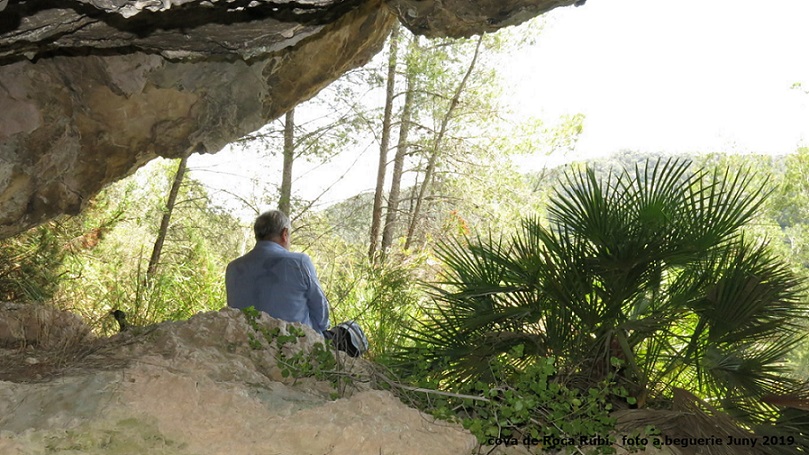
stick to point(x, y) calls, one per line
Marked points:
point(263, 251)
point(256, 254)
point(298, 254)
point(299, 257)
point(239, 263)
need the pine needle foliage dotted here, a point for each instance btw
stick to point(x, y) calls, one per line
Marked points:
point(30, 266)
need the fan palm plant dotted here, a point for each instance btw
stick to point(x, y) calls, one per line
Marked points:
point(646, 265)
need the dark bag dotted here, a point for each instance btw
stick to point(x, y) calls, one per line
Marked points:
point(349, 338)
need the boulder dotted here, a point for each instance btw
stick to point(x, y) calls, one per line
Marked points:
point(211, 385)
point(93, 89)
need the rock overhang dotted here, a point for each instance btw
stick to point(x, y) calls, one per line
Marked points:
point(91, 90)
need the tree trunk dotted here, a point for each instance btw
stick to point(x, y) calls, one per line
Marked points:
point(428, 173)
point(164, 222)
point(285, 200)
point(398, 162)
point(376, 215)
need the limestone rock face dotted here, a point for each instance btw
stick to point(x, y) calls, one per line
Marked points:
point(463, 18)
point(71, 124)
point(202, 387)
point(92, 89)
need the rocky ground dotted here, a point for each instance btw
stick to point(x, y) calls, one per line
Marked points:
point(213, 384)
point(208, 385)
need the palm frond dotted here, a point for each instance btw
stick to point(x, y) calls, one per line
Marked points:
point(648, 265)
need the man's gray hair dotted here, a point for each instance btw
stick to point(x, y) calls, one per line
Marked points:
point(271, 224)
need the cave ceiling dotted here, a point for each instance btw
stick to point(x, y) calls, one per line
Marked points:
point(90, 90)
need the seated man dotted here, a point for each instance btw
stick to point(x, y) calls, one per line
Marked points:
point(276, 281)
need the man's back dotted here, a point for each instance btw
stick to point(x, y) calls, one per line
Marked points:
point(280, 283)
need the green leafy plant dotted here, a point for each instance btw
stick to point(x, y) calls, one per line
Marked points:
point(320, 363)
point(109, 245)
point(533, 405)
point(648, 265)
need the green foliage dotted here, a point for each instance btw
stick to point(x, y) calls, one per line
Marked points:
point(109, 272)
point(784, 219)
point(530, 403)
point(455, 126)
point(380, 297)
point(319, 363)
point(94, 263)
point(648, 265)
point(30, 265)
point(533, 404)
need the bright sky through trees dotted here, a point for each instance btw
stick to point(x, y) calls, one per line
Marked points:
point(649, 75)
point(679, 76)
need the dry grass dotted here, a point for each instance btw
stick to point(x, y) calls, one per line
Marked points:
point(39, 343)
point(28, 364)
point(691, 417)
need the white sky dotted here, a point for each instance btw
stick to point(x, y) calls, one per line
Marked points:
point(674, 75)
point(649, 75)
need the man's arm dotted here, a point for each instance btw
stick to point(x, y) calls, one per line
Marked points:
point(230, 285)
point(315, 299)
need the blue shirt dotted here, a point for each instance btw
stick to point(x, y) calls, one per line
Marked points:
point(280, 283)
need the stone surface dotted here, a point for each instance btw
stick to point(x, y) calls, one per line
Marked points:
point(92, 89)
point(463, 18)
point(198, 387)
point(77, 123)
point(33, 325)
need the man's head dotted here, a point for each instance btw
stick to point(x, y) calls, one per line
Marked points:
point(273, 225)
